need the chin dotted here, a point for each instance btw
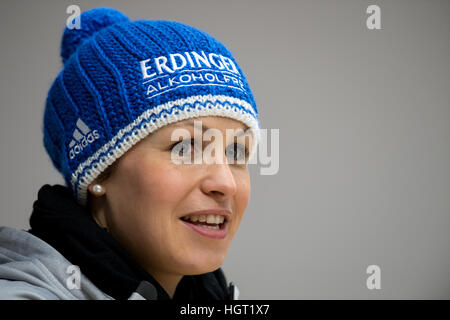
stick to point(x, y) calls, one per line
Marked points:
point(203, 265)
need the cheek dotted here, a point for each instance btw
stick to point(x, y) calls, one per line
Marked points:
point(144, 204)
point(242, 196)
point(156, 187)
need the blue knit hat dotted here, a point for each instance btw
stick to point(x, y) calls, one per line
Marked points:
point(123, 80)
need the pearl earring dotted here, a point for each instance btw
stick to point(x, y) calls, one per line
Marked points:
point(97, 188)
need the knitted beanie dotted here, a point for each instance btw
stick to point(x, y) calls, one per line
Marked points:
point(124, 79)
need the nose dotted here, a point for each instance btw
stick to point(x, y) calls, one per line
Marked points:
point(219, 181)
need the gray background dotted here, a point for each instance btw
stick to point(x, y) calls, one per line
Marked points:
point(364, 137)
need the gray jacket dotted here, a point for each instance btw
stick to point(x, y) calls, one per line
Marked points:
point(32, 269)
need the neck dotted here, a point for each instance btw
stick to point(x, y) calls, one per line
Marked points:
point(168, 281)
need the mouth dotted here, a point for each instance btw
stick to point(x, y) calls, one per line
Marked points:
point(212, 226)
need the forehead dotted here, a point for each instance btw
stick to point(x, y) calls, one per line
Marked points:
point(210, 122)
point(204, 123)
point(229, 128)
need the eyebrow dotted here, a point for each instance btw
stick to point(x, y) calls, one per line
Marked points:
point(191, 123)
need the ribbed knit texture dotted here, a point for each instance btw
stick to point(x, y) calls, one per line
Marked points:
point(123, 80)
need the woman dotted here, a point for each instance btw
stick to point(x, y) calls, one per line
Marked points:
point(135, 222)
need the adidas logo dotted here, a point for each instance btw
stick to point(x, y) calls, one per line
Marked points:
point(82, 137)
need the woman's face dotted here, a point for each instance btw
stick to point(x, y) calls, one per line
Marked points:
point(148, 194)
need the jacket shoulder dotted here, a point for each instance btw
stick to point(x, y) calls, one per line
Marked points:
point(20, 290)
point(32, 269)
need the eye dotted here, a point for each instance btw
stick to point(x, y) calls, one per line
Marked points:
point(237, 152)
point(182, 148)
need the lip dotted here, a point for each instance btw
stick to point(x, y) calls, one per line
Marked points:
point(221, 233)
point(214, 234)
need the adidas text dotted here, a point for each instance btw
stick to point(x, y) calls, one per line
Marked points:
point(88, 139)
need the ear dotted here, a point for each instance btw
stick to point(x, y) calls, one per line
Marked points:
point(97, 189)
point(96, 201)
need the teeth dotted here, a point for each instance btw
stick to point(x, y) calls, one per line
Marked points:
point(210, 227)
point(211, 219)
